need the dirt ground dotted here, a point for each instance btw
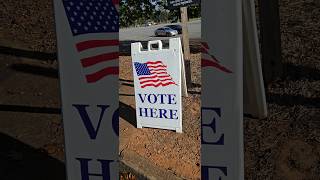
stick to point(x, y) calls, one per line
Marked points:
point(283, 146)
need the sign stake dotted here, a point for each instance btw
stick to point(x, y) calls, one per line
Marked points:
point(185, 41)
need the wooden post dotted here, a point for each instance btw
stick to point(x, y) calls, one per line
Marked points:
point(186, 47)
point(270, 40)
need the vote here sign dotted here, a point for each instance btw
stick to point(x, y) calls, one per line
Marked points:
point(87, 33)
point(158, 81)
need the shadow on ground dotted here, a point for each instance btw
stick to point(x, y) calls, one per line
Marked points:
point(126, 82)
point(295, 73)
point(36, 70)
point(20, 161)
point(298, 72)
point(29, 109)
point(128, 113)
point(27, 53)
point(293, 100)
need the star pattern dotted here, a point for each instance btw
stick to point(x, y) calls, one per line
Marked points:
point(91, 16)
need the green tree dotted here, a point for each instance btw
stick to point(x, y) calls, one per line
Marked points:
point(137, 12)
point(194, 11)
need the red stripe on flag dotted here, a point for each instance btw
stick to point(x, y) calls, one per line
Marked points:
point(159, 73)
point(157, 85)
point(151, 66)
point(157, 70)
point(155, 62)
point(205, 45)
point(158, 80)
point(95, 43)
point(115, 2)
point(99, 58)
point(208, 63)
point(154, 76)
point(91, 78)
point(204, 50)
point(212, 57)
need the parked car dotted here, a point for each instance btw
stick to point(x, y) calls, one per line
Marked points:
point(176, 27)
point(165, 31)
point(148, 24)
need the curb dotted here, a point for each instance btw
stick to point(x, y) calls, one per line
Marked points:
point(144, 169)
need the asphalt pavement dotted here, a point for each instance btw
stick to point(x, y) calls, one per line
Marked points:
point(147, 33)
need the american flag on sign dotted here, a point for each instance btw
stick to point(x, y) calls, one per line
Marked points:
point(95, 28)
point(208, 60)
point(153, 73)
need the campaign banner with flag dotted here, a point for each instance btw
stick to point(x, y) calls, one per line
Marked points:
point(158, 82)
point(222, 90)
point(88, 51)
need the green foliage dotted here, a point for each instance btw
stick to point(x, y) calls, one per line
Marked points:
point(138, 12)
point(194, 11)
point(133, 12)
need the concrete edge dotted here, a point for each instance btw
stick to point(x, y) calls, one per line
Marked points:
point(143, 168)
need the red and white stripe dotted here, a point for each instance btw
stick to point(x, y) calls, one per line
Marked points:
point(158, 77)
point(99, 57)
point(208, 60)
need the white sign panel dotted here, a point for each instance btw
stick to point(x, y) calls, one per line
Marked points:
point(87, 33)
point(254, 93)
point(158, 82)
point(222, 90)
